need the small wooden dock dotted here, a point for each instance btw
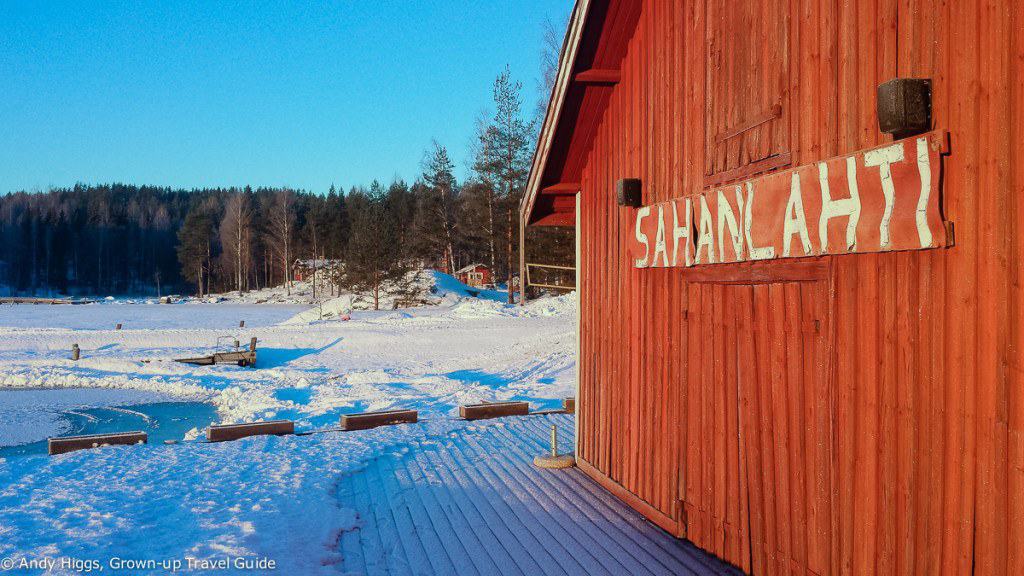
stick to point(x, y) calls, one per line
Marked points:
point(242, 358)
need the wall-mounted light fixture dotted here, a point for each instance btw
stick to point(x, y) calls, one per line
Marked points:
point(905, 106)
point(629, 192)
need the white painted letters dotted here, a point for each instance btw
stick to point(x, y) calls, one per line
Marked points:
point(924, 167)
point(831, 208)
point(795, 222)
point(641, 237)
point(884, 158)
point(756, 252)
point(726, 217)
point(705, 237)
point(682, 233)
point(659, 240)
point(826, 207)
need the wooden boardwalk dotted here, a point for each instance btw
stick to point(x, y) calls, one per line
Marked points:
point(472, 503)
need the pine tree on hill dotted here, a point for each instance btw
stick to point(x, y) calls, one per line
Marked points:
point(436, 210)
point(374, 256)
point(506, 159)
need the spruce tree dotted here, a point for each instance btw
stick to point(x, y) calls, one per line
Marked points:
point(194, 246)
point(374, 255)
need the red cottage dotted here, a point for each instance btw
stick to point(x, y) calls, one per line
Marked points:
point(475, 275)
point(799, 264)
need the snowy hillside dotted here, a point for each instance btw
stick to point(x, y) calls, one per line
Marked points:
point(419, 287)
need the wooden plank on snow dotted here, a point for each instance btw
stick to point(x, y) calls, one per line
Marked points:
point(367, 420)
point(73, 443)
point(230, 432)
point(493, 410)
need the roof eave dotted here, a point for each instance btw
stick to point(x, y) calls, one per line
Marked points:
point(570, 50)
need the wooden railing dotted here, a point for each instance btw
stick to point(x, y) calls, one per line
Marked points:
point(565, 287)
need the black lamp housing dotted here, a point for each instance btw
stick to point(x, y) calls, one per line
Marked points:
point(629, 192)
point(905, 106)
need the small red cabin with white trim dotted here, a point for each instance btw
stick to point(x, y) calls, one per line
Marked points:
point(475, 275)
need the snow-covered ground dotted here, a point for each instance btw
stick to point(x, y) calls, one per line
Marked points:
point(256, 498)
point(432, 358)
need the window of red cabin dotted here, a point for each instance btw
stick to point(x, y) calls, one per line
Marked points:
point(747, 74)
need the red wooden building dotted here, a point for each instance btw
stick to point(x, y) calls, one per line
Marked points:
point(475, 275)
point(800, 344)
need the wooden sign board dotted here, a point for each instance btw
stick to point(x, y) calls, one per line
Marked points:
point(877, 200)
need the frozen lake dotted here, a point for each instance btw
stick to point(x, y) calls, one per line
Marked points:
point(30, 416)
point(105, 316)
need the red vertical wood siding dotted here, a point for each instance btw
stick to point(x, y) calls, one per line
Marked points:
point(891, 441)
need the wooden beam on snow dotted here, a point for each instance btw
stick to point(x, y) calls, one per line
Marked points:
point(493, 410)
point(65, 444)
point(230, 432)
point(367, 420)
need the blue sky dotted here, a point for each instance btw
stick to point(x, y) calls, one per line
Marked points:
point(301, 94)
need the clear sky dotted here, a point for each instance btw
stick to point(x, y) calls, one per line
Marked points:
point(279, 93)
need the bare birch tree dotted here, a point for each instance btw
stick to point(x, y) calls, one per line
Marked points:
point(234, 237)
point(282, 230)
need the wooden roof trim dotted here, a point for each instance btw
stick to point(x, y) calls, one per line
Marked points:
point(570, 49)
point(562, 188)
point(598, 77)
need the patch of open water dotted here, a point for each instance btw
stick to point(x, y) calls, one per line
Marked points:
point(162, 420)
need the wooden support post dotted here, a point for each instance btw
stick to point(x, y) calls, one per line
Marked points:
point(67, 444)
point(367, 420)
point(252, 344)
point(523, 285)
point(118, 326)
point(494, 410)
point(236, 431)
point(241, 324)
point(76, 352)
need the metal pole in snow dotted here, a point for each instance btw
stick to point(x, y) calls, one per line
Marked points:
point(554, 441)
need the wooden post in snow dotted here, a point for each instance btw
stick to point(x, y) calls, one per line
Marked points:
point(522, 262)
